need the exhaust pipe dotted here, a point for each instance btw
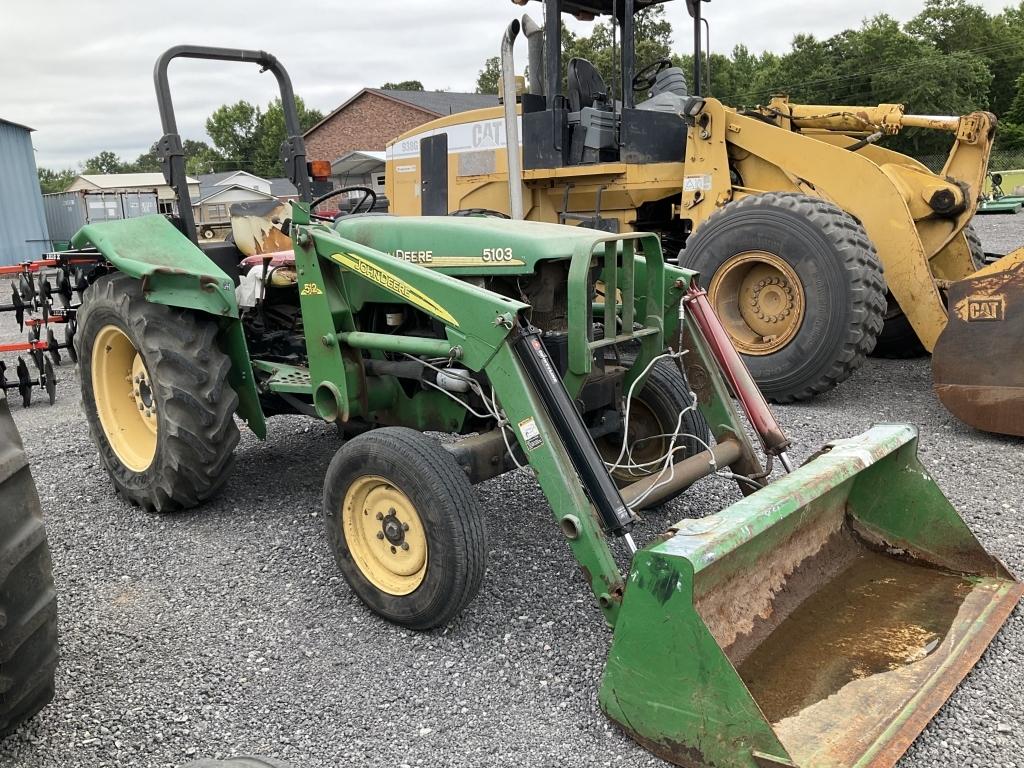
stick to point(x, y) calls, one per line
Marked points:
point(535, 39)
point(515, 162)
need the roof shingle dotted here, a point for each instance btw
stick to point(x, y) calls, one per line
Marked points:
point(441, 102)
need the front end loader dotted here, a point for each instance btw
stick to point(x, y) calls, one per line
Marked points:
point(817, 244)
point(742, 639)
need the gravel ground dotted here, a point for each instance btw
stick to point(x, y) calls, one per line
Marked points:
point(229, 630)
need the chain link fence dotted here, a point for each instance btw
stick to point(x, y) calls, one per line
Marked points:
point(1001, 160)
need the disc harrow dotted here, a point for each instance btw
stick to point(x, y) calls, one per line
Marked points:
point(44, 294)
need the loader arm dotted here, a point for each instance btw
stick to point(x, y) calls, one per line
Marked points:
point(954, 193)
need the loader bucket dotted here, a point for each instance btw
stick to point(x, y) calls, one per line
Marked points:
point(977, 362)
point(821, 621)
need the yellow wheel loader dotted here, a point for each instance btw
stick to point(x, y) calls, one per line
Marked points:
point(817, 245)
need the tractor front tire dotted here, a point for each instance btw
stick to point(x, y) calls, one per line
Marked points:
point(156, 395)
point(654, 416)
point(798, 286)
point(28, 601)
point(405, 527)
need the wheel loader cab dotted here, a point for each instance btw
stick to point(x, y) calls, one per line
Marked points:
point(595, 121)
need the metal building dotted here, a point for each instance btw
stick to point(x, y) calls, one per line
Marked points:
point(68, 212)
point(23, 233)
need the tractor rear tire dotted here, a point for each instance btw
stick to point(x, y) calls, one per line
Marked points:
point(405, 527)
point(797, 284)
point(655, 411)
point(181, 452)
point(28, 600)
point(898, 339)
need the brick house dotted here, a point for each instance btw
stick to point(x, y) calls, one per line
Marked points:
point(374, 116)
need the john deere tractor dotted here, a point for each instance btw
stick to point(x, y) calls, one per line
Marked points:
point(752, 637)
point(816, 243)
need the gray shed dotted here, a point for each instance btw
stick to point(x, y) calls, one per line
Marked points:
point(23, 233)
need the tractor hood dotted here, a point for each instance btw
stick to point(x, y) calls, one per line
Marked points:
point(469, 245)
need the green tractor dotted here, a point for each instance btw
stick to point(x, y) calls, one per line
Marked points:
point(754, 636)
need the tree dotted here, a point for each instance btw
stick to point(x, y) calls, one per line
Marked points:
point(653, 42)
point(234, 129)
point(952, 25)
point(488, 78)
point(272, 134)
point(248, 138)
point(104, 162)
point(147, 161)
point(55, 181)
point(957, 26)
point(200, 158)
point(404, 85)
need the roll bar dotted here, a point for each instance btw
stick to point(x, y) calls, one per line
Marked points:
point(171, 151)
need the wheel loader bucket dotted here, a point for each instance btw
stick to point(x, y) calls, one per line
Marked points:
point(821, 621)
point(977, 362)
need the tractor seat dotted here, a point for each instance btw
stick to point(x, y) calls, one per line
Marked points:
point(586, 86)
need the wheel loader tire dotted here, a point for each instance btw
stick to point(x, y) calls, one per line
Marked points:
point(156, 395)
point(898, 339)
point(28, 601)
point(797, 284)
point(655, 411)
point(405, 527)
point(974, 243)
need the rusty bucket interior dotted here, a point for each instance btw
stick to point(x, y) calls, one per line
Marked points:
point(821, 621)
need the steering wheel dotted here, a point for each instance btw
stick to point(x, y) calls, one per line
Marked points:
point(368, 194)
point(644, 79)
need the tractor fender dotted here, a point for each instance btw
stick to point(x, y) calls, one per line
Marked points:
point(175, 272)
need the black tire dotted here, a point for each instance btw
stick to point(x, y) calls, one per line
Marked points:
point(456, 539)
point(195, 404)
point(237, 762)
point(664, 395)
point(898, 339)
point(977, 249)
point(28, 600)
point(836, 263)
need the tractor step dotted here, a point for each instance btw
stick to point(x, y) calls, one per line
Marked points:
point(290, 379)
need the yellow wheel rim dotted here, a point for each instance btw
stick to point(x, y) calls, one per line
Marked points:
point(385, 535)
point(123, 392)
point(760, 301)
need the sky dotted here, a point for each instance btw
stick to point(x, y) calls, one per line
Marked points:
point(80, 72)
